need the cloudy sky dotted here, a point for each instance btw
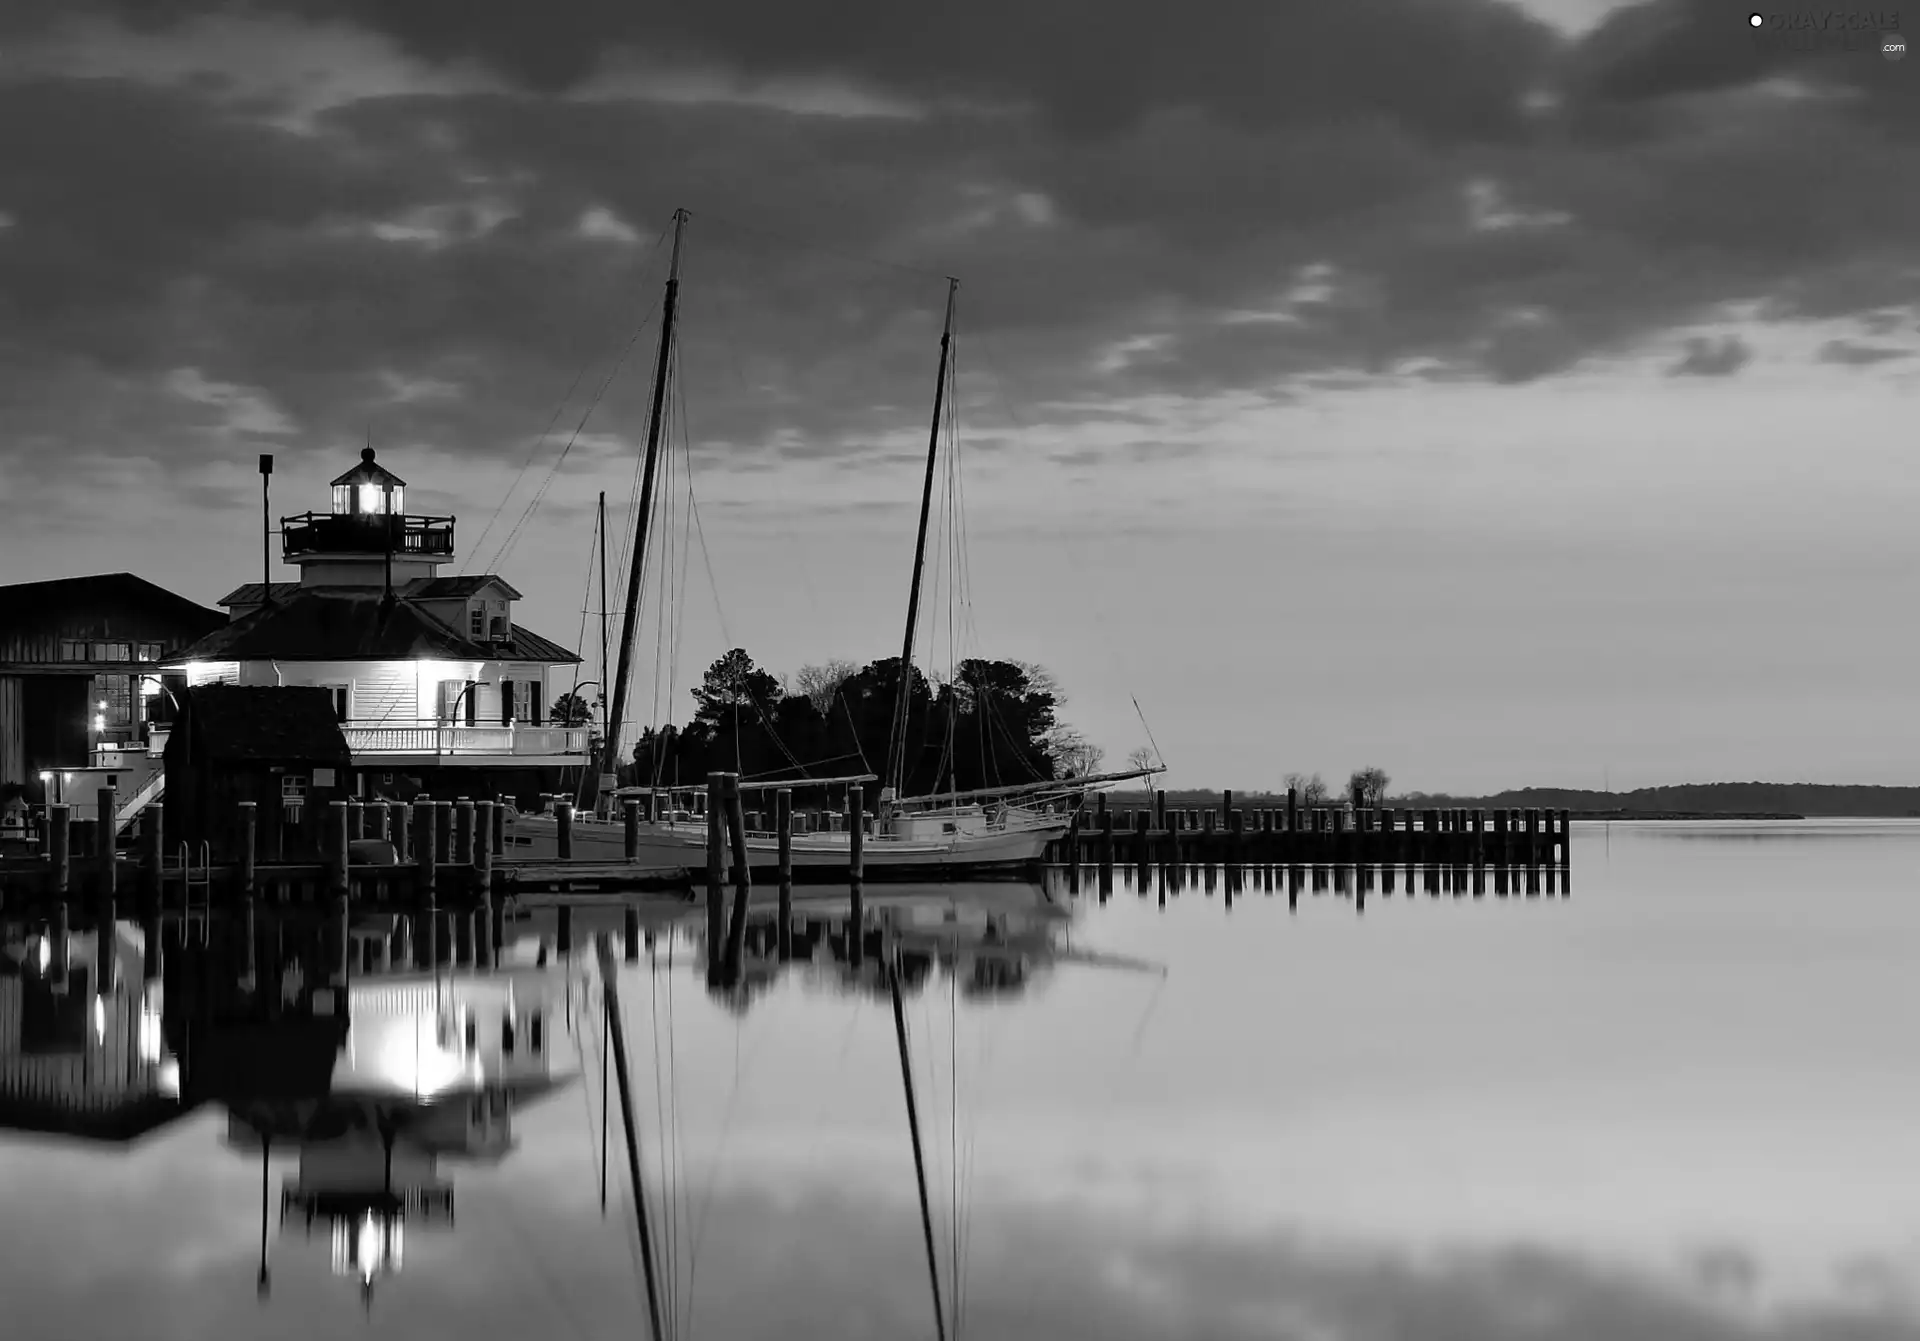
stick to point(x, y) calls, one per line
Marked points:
point(1498, 393)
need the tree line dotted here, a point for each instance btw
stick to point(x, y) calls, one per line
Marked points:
point(994, 723)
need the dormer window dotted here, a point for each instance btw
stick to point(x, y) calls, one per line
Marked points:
point(365, 490)
point(477, 621)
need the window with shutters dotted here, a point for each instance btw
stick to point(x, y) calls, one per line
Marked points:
point(342, 695)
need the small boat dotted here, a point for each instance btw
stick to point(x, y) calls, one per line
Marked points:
point(956, 839)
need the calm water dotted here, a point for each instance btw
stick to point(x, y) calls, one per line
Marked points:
point(1680, 1102)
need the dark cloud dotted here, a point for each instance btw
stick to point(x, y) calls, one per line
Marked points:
point(1707, 357)
point(1852, 353)
point(1132, 202)
point(1453, 69)
point(1661, 49)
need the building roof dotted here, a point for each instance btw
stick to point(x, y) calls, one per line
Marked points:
point(248, 593)
point(23, 601)
point(265, 722)
point(369, 470)
point(359, 624)
point(420, 588)
point(443, 588)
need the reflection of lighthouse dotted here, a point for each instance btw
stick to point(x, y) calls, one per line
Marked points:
point(427, 1072)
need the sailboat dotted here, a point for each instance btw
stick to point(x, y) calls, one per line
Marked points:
point(953, 834)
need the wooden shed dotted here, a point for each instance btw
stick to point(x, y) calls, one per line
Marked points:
point(279, 747)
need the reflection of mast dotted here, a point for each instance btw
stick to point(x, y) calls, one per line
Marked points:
point(618, 1039)
point(919, 1159)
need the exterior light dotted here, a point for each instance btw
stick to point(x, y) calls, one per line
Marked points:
point(99, 721)
point(102, 705)
point(46, 775)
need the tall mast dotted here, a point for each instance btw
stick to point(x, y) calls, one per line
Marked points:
point(610, 748)
point(894, 778)
point(603, 612)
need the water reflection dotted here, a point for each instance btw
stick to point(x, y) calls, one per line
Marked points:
point(370, 1081)
point(1147, 1114)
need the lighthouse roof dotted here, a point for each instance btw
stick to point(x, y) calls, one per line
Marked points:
point(359, 624)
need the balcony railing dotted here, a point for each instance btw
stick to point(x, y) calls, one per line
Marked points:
point(458, 739)
point(313, 533)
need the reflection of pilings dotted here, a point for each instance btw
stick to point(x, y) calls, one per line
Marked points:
point(339, 942)
point(783, 828)
point(736, 822)
point(856, 864)
point(716, 873)
point(58, 966)
point(153, 960)
point(617, 1044)
point(104, 939)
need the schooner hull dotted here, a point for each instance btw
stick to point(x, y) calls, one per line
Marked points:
point(815, 856)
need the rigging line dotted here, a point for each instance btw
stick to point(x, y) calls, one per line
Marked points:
point(953, 1132)
point(1149, 730)
point(529, 1252)
point(797, 244)
point(558, 410)
point(665, 607)
point(660, 1083)
point(723, 298)
point(506, 546)
point(713, 1172)
point(679, 1149)
point(580, 639)
point(1006, 405)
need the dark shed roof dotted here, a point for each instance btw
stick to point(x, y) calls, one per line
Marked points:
point(24, 602)
point(265, 722)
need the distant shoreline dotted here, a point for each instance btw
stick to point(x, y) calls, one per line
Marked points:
point(1635, 816)
point(1692, 801)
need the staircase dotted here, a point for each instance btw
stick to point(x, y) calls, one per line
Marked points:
point(150, 791)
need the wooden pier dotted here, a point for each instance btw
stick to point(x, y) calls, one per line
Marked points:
point(397, 857)
point(380, 857)
point(1233, 836)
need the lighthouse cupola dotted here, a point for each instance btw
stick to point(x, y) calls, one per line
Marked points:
point(368, 539)
point(369, 490)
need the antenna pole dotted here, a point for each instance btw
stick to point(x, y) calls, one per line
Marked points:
point(266, 531)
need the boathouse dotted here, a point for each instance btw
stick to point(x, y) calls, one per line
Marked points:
point(81, 681)
point(280, 748)
point(435, 687)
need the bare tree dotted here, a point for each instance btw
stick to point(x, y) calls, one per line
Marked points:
point(1073, 754)
point(1140, 756)
point(1312, 790)
point(1040, 680)
point(1368, 786)
point(820, 683)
